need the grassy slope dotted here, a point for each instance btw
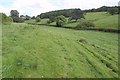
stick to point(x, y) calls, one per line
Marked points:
point(32, 21)
point(41, 51)
point(101, 20)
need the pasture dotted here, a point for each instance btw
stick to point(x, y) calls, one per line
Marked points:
point(32, 51)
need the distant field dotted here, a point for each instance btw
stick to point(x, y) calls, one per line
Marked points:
point(51, 52)
point(32, 21)
point(101, 20)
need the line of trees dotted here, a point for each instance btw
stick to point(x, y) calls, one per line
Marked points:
point(112, 10)
point(59, 16)
point(73, 13)
point(16, 18)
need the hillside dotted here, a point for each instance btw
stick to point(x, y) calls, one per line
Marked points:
point(100, 19)
point(103, 20)
point(31, 51)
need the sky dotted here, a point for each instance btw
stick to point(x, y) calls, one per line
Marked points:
point(35, 7)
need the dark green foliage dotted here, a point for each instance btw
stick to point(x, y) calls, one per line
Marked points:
point(5, 19)
point(27, 17)
point(77, 14)
point(52, 18)
point(48, 21)
point(113, 11)
point(33, 17)
point(60, 21)
point(15, 19)
point(22, 16)
point(37, 19)
point(69, 19)
point(18, 20)
point(15, 15)
point(101, 9)
point(74, 13)
point(85, 24)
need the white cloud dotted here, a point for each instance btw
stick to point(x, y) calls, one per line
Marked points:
point(35, 7)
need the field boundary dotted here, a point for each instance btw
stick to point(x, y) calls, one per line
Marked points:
point(76, 28)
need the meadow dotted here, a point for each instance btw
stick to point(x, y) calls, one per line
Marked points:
point(100, 19)
point(36, 51)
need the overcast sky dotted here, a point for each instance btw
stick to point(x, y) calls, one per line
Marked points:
point(35, 7)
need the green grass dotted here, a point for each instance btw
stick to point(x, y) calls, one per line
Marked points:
point(103, 20)
point(100, 19)
point(32, 21)
point(109, 22)
point(97, 16)
point(51, 52)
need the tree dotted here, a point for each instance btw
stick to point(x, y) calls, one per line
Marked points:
point(60, 21)
point(113, 11)
point(15, 15)
point(77, 14)
point(64, 12)
point(27, 17)
point(22, 16)
point(33, 17)
point(51, 18)
point(38, 19)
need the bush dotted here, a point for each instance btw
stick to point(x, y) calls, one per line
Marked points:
point(51, 18)
point(85, 24)
point(21, 20)
point(113, 11)
point(60, 21)
point(5, 19)
point(38, 19)
point(18, 20)
point(48, 21)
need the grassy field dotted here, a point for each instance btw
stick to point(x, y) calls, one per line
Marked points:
point(101, 20)
point(51, 52)
point(32, 21)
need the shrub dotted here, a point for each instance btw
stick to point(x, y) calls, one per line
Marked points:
point(113, 11)
point(85, 24)
point(51, 18)
point(5, 19)
point(18, 20)
point(60, 21)
point(38, 19)
point(48, 21)
point(21, 20)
